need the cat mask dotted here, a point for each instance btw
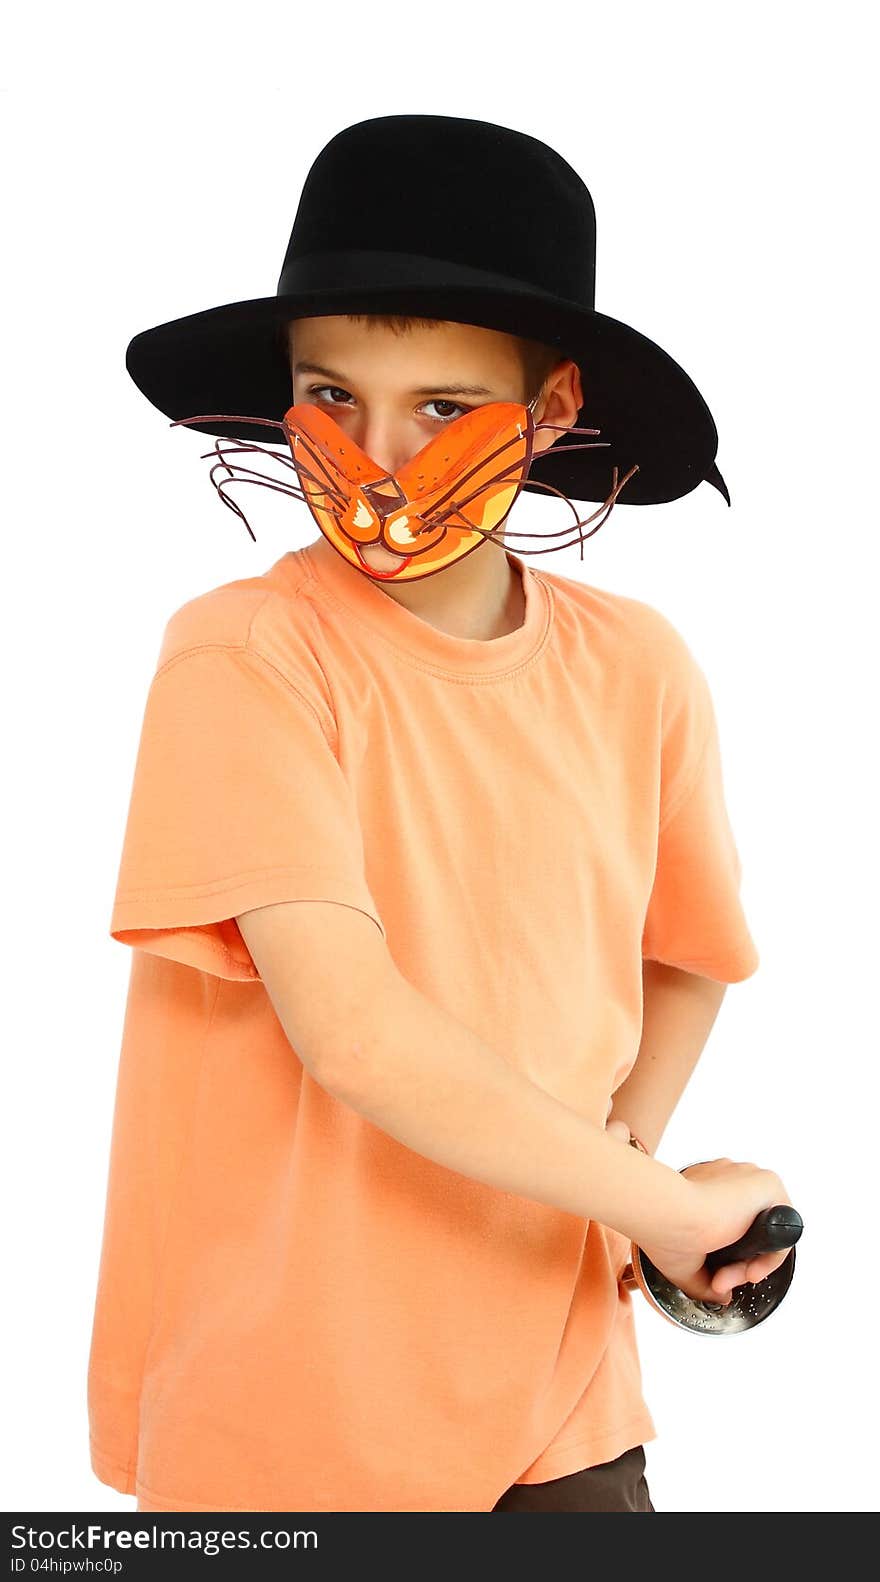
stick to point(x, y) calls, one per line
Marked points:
point(454, 494)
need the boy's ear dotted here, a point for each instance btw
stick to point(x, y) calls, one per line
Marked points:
point(566, 379)
point(563, 401)
point(578, 388)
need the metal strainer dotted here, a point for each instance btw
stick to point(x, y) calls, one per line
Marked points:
point(749, 1303)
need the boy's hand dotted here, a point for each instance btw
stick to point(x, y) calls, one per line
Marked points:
point(618, 1129)
point(726, 1182)
point(699, 1283)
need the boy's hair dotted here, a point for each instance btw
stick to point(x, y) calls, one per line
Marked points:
point(537, 358)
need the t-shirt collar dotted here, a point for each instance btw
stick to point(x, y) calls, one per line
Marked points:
point(365, 600)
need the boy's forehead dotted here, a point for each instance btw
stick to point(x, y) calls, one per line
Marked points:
point(438, 347)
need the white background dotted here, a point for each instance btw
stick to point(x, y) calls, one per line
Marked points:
point(155, 158)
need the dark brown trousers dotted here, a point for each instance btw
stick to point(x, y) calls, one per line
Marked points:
point(612, 1486)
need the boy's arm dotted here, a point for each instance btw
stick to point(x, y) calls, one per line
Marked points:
point(371, 1039)
point(679, 1011)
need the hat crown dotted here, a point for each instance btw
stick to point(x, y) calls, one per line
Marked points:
point(450, 188)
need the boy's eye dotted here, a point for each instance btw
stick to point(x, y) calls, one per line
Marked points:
point(447, 417)
point(336, 390)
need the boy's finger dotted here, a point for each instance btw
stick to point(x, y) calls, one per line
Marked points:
point(729, 1275)
point(618, 1129)
point(759, 1268)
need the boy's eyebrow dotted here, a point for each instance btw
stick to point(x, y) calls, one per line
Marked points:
point(424, 390)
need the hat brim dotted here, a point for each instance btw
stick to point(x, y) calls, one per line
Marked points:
point(230, 359)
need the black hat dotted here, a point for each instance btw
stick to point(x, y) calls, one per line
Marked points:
point(443, 217)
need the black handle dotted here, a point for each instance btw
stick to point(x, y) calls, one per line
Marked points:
point(773, 1228)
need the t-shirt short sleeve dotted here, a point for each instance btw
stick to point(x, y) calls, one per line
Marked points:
point(238, 801)
point(695, 918)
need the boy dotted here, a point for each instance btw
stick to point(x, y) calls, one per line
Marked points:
point(425, 879)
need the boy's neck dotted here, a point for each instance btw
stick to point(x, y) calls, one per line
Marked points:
point(478, 597)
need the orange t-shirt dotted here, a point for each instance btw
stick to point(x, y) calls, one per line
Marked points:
point(294, 1311)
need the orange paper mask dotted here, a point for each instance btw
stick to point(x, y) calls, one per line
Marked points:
point(445, 501)
point(437, 508)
